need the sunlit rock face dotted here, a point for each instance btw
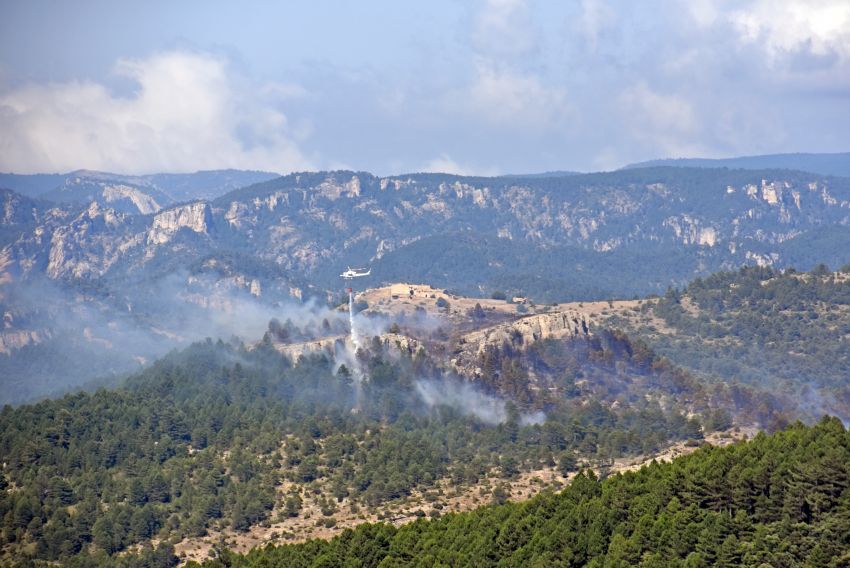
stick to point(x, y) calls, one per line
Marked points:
point(196, 217)
point(519, 334)
point(143, 203)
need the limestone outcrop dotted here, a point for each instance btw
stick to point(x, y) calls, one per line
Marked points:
point(16, 339)
point(326, 344)
point(143, 202)
point(195, 216)
point(562, 324)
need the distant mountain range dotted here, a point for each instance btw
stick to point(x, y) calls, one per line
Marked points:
point(574, 237)
point(139, 270)
point(552, 174)
point(131, 194)
point(559, 238)
point(825, 164)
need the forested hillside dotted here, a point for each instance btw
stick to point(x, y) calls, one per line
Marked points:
point(208, 438)
point(786, 332)
point(780, 500)
point(222, 437)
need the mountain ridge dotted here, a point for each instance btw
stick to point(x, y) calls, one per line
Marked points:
point(168, 187)
point(577, 237)
point(836, 164)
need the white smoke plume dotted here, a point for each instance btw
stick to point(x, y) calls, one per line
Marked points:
point(355, 338)
point(463, 397)
point(532, 418)
point(470, 401)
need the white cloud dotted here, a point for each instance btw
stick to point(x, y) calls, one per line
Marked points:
point(506, 89)
point(665, 112)
point(666, 122)
point(821, 27)
point(503, 28)
point(512, 99)
point(704, 12)
point(595, 16)
point(523, 85)
point(600, 83)
point(187, 112)
point(444, 164)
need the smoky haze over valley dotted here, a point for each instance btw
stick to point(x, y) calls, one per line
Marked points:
point(103, 273)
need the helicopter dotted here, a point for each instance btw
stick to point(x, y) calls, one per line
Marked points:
point(355, 273)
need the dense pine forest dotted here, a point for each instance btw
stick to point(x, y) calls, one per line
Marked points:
point(781, 500)
point(204, 438)
point(221, 438)
point(786, 332)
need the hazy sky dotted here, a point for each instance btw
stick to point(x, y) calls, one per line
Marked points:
point(494, 86)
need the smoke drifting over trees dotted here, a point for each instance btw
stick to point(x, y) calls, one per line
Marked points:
point(70, 338)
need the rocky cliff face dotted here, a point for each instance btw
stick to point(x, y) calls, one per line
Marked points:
point(17, 210)
point(124, 194)
point(518, 334)
point(467, 350)
point(96, 240)
point(196, 217)
point(300, 230)
point(338, 344)
point(143, 202)
point(12, 340)
point(327, 345)
point(402, 343)
point(300, 221)
point(84, 246)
